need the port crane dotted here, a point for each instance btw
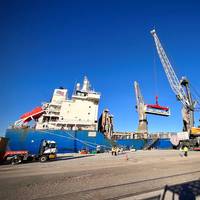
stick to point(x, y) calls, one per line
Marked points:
point(180, 88)
point(144, 109)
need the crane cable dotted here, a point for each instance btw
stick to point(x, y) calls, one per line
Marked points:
point(71, 137)
point(155, 76)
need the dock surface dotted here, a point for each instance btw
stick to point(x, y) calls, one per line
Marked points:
point(131, 175)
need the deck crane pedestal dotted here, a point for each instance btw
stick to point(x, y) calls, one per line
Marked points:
point(181, 89)
point(140, 106)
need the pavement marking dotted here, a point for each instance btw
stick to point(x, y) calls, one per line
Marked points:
point(156, 195)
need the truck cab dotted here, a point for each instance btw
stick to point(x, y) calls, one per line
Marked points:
point(47, 150)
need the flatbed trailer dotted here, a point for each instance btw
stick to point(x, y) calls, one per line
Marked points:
point(196, 149)
point(15, 157)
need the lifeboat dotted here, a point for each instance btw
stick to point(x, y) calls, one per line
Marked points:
point(34, 114)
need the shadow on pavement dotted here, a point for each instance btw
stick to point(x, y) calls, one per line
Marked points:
point(185, 191)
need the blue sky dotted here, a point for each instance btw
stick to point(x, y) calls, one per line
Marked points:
point(47, 44)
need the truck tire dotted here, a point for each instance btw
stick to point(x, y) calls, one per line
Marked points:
point(29, 159)
point(16, 160)
point(43, 158)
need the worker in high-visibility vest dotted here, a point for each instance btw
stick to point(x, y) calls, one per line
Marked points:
point(114, 150)
point(185, 150)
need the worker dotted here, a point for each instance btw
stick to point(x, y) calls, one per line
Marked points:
point(114, 150)
point(185, 150)
point(181, 151)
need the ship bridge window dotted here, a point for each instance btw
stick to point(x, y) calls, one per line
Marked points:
point(81, 93)
point(54, 119)
point(46, 119)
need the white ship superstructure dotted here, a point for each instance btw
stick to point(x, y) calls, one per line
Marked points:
point(78, 113)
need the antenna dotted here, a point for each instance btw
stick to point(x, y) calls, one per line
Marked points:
point(74, 89)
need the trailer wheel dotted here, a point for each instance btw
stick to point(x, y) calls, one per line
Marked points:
point(16, 160)
point(43, 158)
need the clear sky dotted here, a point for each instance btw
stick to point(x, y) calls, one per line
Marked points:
point(47, 44)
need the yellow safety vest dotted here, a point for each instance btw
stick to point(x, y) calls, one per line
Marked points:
point(185, 149)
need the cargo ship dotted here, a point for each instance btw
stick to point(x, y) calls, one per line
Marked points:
point(71, 122)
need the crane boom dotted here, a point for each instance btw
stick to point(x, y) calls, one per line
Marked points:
point(180, 88)
point(171, 76)
point(138, 94)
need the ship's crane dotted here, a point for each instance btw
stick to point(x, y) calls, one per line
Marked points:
point(142, 127)
point(144, 109)
point(180, 88)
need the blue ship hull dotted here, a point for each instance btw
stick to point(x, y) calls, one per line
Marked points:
point(71, 141)
point(67, 141)
point(162, 143)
